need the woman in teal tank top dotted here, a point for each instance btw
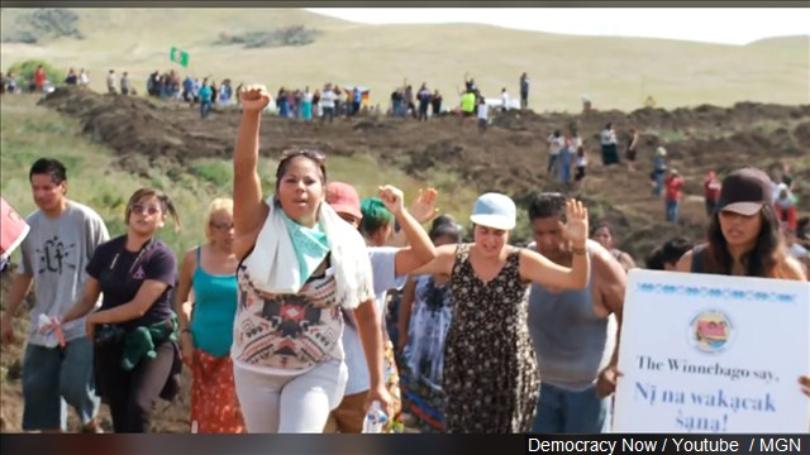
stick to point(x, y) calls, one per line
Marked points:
point(206, 299)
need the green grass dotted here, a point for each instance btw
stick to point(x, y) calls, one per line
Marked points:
point(366, 175)
point(28, 132)
point(216, 172)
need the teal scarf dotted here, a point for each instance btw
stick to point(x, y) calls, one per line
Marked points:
point(310, 246)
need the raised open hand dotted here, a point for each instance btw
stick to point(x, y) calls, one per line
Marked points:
point(424, 207)
point(392, 198)
point(254, 98)
point(576, 226)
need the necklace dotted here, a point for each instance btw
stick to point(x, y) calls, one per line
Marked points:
point(141, 252)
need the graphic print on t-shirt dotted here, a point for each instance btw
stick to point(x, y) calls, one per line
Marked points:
point(291, 315)
point(139, 273)
point(55, 255)
point(287, 331)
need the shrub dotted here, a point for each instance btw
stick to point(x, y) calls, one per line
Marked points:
point(24, 72)
point(295, 35)
point(43, 23)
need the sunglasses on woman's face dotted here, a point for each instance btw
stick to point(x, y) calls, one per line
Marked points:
point(221, 226)
point(140, 208)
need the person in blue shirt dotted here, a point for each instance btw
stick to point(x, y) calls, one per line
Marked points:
point(205, 95)
point(206, 323)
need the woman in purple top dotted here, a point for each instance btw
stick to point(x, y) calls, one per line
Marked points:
point(136, 355)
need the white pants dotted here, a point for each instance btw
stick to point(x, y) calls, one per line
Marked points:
point(290, 404)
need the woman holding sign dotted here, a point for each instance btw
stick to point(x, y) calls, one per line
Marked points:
point(490, 368)
point(744, 236)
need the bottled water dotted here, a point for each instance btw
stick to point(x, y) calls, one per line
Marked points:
point(375, 419)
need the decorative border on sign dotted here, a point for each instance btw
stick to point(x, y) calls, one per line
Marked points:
point(715, 293)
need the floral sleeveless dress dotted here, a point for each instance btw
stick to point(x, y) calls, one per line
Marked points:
point(490, 369)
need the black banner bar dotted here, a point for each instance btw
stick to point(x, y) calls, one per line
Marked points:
point(420, 444)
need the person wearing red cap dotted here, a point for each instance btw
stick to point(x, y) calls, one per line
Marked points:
point(744, 237)
point(375, 217)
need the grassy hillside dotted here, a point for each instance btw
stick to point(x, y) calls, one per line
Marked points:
point(96, 178)
point(28, 131)
point(614, 72)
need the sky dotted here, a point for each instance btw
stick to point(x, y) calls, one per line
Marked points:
point(738, 26)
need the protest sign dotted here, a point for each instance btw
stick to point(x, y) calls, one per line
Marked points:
point(712, 353)
point(13, 229)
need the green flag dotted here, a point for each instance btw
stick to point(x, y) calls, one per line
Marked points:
point(178, 56)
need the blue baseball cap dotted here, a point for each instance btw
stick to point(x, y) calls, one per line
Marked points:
point(494, 210)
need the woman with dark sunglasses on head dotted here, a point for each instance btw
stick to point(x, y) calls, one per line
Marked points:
point(206, 306)
point(300, 264)
point(136, 356)
point(744, 238)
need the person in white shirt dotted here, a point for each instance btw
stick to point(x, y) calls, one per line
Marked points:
point(328, 98)
point(504, 100)
point(483, 115)
point(84, 79)
point(376, 218)
point(111, 82)
point(608, 139)
point(125, 86)
point(555, 143)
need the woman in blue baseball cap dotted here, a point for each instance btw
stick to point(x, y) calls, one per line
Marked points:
point(490, 372)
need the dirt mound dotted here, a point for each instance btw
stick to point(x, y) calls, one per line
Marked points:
point(510, 157)
point(802, 134)
point(137, 126)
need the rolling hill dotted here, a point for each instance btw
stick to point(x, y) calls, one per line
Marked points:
point(615, 72)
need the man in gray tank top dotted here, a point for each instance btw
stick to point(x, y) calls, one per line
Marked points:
point(576, 348)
